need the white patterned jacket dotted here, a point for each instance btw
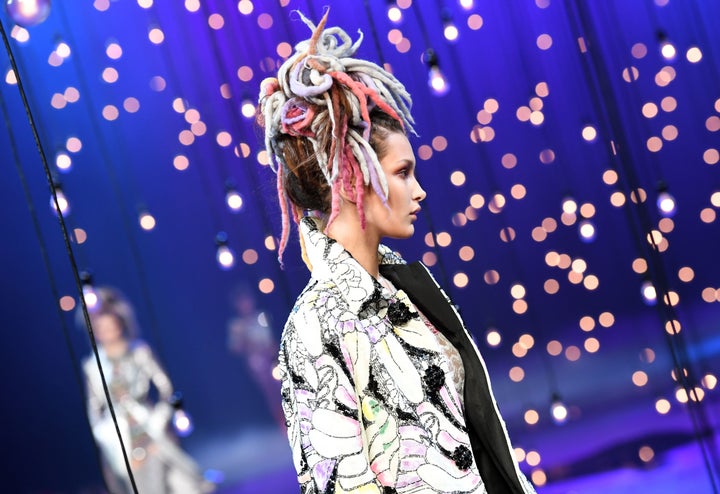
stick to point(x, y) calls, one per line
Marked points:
point(367, 392)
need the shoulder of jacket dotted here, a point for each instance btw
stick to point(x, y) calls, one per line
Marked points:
point(318, 299)
point(89, 363)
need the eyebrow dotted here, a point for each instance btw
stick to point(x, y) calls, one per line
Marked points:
point(407, 161)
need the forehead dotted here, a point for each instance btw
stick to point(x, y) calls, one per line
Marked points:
point(104, 317)
point(397, 148)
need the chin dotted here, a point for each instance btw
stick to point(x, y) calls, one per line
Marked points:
point(403, 234)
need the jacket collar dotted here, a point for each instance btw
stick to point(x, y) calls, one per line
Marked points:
point(331, 262)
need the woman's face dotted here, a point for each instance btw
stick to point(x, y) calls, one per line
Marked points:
point(404, 192)
point(107, 329)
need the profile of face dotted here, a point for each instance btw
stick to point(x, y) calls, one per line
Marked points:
point(107, 328)
point(397, 218)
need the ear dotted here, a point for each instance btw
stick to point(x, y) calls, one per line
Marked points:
point(346, 196)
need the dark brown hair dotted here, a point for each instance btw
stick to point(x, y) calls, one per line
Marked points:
point(305, 184)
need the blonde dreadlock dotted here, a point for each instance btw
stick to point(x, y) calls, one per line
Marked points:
point(323, 97)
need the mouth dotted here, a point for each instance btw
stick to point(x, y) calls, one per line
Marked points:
point(415, 212)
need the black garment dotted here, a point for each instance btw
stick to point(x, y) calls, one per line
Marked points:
point(487, 436)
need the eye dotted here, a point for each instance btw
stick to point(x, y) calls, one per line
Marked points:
point(405, 172)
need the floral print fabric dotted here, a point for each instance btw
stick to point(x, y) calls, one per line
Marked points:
point(367, 391)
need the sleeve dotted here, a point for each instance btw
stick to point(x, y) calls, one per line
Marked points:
point(95, 401)
point(322, 411)
point(151, 367)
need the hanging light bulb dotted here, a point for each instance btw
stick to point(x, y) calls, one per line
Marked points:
point(62, 206)
point(28, 13)
point(62, 49)
point(450, 30)
point(558, 410)
point(63, 162)
point(247, 108)
point(667, 49)
point(665, 201)
point(233, 199)
point(394, 13)
point(182, 422)
point(467, 4)
point(146, 220)
point(587, 231)
point(224, 255)
point(92, 301)
point(493, 337)
point(436, 79)
point(649, 294)
point(569, 205)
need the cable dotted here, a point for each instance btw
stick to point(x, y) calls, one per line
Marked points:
point(117, 191)
point(68, 247)
point(598, 80)
point(48, 268)
point(250, 173)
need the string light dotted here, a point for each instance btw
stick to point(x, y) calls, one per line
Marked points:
point(394, 14)
point(92, 301)
point(63, 162)
point(450, 30)
point(146, 220)
point(182, 422)
point(62, 49)
point(665, 202)
point(587, 231)
point(558, 410)
point(62, 202)
point(224, 255)
point(649, 294)
point(493, 337)
point(667, 49)
point(28, 13)
point(233, 199)
point(436, 79)
point(569, 205)
point(247, 108)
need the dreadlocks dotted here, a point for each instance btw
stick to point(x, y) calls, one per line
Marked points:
point(318, 116)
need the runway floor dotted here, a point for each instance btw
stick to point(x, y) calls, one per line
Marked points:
point(574, 466)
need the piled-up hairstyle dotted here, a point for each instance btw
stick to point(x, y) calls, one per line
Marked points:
point(324, 117)
point(111, 301)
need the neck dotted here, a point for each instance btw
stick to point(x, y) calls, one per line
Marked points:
point(362, 244)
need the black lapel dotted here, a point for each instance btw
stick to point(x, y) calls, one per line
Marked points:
point(422, 290)
point(486, 432)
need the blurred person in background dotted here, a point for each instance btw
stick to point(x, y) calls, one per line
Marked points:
point(131, 370)
point(249, 334)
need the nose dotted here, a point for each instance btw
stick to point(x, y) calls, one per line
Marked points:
point(419, 193)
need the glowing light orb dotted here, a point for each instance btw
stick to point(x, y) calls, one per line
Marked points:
point(668, 50)
point(225, 257)
point(28, 13)
point(666, 204)
point(559, 411)
point(451, 32)
point(182, 423)
point(394, 14)
point(437, 81)
point(587, 231)
point(649, 293)
point(234, 200)
point(62, 206)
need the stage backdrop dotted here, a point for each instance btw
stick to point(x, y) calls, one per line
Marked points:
point(570, 154)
